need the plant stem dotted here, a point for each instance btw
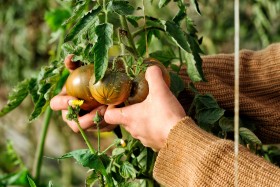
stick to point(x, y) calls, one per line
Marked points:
point(85, 137)
point(129, 36)
point(40, 147)
point(98, 138)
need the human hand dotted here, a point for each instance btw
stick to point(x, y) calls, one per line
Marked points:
point(62, 101)
point(151, 120)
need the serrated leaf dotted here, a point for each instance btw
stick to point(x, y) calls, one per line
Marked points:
point(163, 3)
point(121, 7)
point(83, 24)
point(207, 111)
point(77, 12)
point(178, 35)
point(104, 34)
point(127, 170)
point(192, 69)
point(249, 136)
point(87, 159)
point(39, 108)
point(16, 96)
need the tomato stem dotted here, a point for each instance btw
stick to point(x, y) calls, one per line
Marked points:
point(92, 150)
point(129, 36)
point(40, 147)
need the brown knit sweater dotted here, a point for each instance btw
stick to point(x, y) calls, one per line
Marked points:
point(193, 157)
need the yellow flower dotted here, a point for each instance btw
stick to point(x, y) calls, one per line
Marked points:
point(76, 102)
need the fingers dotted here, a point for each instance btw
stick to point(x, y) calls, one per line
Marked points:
point(69, 64)
point(86, 121)
point(60, 102)
point(119, 115)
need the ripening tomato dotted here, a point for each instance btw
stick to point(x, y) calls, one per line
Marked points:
point(77, 86)
point(140, 87)
point(112, 89)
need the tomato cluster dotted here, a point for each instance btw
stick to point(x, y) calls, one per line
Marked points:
point(114, 88)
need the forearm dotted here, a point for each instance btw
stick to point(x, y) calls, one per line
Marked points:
point(193, 157)
point(259, 87)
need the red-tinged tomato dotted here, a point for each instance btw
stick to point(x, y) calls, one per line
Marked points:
point(112, 89)
point(77, 85)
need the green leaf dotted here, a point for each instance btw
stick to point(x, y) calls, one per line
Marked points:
point(248, 136)
point(133, 20)
point(83, 25)
point(56, 17)
point(207, 111)
point(164, 56)
point(104, 34)
point(92, 179)
point(163, 3)
point(177, 34)
point(127, 170)
point(16, 96)
point(226, 124)
point(177, 84)
point(77, 12)
point(31, 182)
point(40, 107)
point(192, 69)
point(181, 14)
point(121, 7)
point(87, 159)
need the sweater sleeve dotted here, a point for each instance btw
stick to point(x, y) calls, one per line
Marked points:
point(259, 87)
point(193, 157)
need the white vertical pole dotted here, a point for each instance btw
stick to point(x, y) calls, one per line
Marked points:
point(236, 89)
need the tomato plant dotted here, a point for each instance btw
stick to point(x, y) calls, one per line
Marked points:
point(90, 30)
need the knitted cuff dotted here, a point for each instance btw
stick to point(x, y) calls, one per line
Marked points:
point(186, 144)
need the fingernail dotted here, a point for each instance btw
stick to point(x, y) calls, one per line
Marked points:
point(70, 102)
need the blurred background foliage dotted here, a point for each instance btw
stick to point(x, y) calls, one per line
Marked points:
point(28, 39)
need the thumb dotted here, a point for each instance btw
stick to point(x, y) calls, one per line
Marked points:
point(155, 80)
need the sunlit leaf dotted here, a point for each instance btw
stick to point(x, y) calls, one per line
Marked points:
point(121, 7)
point(77, 12)
point(92, 179)
point(31, 182)
point(87, 159)
point(56, 17)
point(248, 136)
point(84, 23)
point(192, 69)
point(127, 170)
point(104, 33)
point(16, 96)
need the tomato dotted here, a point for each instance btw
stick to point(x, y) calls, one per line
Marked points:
point(140, 87)
point(112, 89)
point(77, 86)
point(139, 90)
